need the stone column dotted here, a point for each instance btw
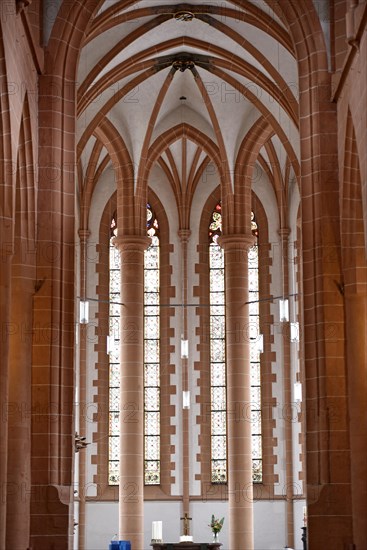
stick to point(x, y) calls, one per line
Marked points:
point(287, 392)
point(240, 484)
point(184, 235)
point(131, 489)
point(19, 427)
point(356, 337)
point(6, 251)
point(82, 429)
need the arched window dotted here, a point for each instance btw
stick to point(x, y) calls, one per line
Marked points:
point(218, 352)
point(113, 349)
point(256, 347)
point(151, 357)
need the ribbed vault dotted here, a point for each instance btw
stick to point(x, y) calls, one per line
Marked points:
point(153, 70)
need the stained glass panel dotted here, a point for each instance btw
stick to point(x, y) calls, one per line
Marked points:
point(256, 396)
point(152, 423)
point(218, 395)
point(151, 310)
point(216, 278)
point(219, 447)
point(255, 374)
point(114, 399)
point(151, 280)
point(114, 424)
point(151, 298)
point(218, 377)
point(152, 374)
point(219, 423)
point(217, 326)
point(151, 351)
point(253, 307)
point(151, 326)
point(152, 398)
point(252, 286)
point(217, 298)
point(113, 475)
point(257, 475)
point(152, 472)
point(219, 471)
point(114, 375)
point(114, 448)
point(217, 310)
point(152, 448)
point(216, 258)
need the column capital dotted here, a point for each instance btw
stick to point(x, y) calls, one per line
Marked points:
point(236, 241)
point(184, 235)
point(83, 234)
point(284, 232)
point(131, 242)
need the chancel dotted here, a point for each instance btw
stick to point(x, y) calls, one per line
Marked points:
point(183, 274)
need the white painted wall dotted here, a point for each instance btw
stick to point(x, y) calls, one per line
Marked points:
point(269, 523)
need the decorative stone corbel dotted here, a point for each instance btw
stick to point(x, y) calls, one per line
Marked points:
point(22, 4)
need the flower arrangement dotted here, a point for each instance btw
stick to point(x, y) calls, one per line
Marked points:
point(216, 524)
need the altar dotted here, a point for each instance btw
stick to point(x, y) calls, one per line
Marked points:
point(186, 542)
point(186, 545)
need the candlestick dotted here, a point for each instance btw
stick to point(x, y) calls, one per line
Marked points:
point(157, 531)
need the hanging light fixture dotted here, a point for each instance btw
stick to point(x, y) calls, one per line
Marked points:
point(260, 343)
point(83, 312)
point(284, 310)
point(184, 348)
point(294, 332)
point(297, 391)
point(185, 399)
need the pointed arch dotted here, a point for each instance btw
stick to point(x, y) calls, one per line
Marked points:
point(6, 173)
point(27, 175)
point(124, 173)
point(352, 226)
point(170, 136)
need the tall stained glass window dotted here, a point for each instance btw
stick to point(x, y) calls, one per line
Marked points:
point(151, 357)
point(114, 362)
point(256, 344)
point(218, 353)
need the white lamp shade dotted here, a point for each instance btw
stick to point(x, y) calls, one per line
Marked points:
point(184, 349)
point(260, 343)
point(294, 334)
point(297, 390)
point(284, 310)
point(83, 312)
point(186, 399)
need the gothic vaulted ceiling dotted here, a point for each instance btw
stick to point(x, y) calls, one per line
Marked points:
point(180, 85)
